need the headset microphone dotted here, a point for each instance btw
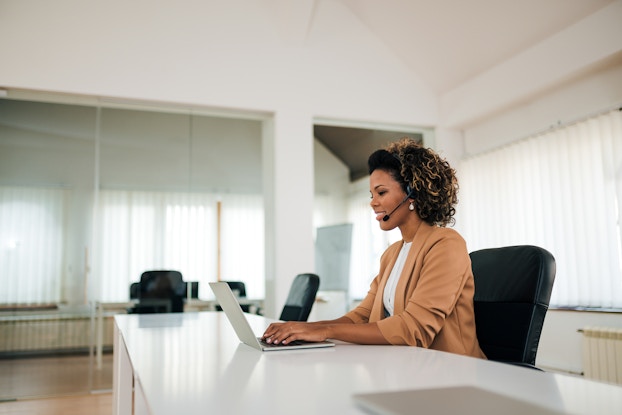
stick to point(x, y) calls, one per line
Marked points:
point(388, 215)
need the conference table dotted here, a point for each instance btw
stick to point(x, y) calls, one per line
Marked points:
point(193, 363)
point(193, 304)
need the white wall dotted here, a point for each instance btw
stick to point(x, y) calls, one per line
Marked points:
point(234, 54)
point(598, 90)
point(553, 62)
point(332, 184)
point(517, 98)
point(255, 56)
point(561, 343)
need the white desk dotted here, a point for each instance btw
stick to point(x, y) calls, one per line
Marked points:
point(192, 363)
point(189, 305)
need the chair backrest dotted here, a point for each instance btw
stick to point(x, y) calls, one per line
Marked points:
point(194, 290)
point(512, 291)
point(134, 290)
point(300, 298)
point(239, 289)
point(162, 285)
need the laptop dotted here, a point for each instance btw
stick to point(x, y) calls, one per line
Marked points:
point(463, 400)
point(242, 328)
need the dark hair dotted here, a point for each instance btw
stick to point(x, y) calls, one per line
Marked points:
point(433, 182)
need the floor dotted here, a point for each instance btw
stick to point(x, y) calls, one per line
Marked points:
point(55, 385)
point(94, 404)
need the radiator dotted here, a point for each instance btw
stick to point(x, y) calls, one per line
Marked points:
point(602, 354)
point(48, 333)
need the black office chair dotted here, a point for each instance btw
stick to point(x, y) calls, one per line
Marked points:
point(512, 291)
point(160, 291)
point(238, 288)
point(300, 298)
point(194, 290)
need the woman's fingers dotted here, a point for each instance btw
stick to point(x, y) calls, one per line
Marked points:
point(288, 332)
point(280, 333)
point(271, 331)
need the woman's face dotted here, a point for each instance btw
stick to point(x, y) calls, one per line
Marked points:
point(386, 195)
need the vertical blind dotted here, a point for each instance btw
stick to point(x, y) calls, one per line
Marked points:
point(561, 190)
point(32, 227)
point(136, 231)
point(242, 242)
point(140, 231)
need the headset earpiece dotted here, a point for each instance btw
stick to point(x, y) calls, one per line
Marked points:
point(410, 192)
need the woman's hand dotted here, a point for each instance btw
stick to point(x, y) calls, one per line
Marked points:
point(285, 333)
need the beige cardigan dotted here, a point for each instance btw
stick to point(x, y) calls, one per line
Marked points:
point(434, 295)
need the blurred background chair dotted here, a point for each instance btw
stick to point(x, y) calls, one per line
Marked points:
point(134, 290)
point(239, 290)
point(194, 290)
point(300, 298)
point(160, 291)
point(513, 288)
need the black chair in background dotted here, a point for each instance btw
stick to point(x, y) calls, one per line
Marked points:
point(194, 290)
point(160, 291)
point(239, 289)
point(513, 287)
point(300, 298)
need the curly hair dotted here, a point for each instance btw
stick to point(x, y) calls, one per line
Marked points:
point(430, 178)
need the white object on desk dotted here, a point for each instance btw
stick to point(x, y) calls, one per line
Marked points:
point(190, 363)
point(463, 400)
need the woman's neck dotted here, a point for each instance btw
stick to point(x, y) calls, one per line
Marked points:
point(409, 230)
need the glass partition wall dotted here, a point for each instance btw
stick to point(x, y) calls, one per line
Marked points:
point(92, 196)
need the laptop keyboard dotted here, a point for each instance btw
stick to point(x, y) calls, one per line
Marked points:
point(294, 343)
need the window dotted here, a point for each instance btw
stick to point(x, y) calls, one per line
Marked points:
point(32, 239)
point(139, 231)
point(92, 196)
point(561, 190)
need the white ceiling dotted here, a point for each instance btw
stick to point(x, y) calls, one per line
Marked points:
point(447, 42)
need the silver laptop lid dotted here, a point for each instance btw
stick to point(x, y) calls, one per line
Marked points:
point(234, 313)
point(242, 328)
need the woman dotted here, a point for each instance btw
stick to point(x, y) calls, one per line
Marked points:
point(423, 294)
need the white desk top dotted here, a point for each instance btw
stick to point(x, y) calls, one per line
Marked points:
point(193, 363)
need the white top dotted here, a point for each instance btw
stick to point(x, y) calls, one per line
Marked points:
point(193, 363)
point(389, 290)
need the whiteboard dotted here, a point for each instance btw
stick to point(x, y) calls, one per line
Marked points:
point(333, 245)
